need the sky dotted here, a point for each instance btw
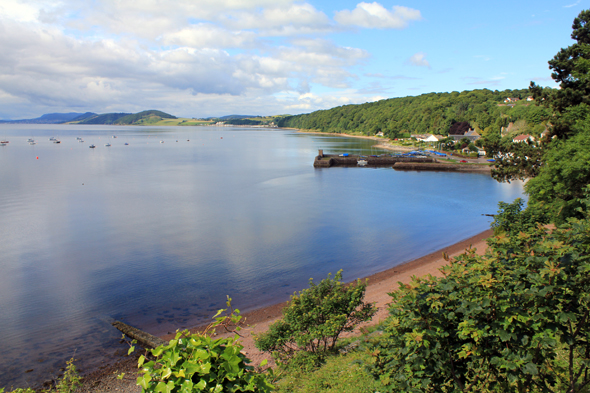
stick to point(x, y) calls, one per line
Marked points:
point(202, 58)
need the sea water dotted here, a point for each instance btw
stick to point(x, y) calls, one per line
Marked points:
point(157, 229)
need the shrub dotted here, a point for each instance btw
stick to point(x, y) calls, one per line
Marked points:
point(71, 379)
point(68, 383)
point(515, 319)
point(315, 317)
point(200, 363)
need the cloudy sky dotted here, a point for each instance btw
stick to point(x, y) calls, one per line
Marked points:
point(199, 58)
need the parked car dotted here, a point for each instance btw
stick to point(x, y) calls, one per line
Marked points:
point(463, 161)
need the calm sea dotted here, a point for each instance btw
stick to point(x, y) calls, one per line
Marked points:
point(157, 234)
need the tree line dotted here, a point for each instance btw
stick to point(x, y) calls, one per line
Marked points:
point(433, 113)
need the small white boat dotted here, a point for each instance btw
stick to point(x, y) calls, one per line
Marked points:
point(56, 141)
point(52, 138)
point(32, 143)
point(108, 145)
point(161, 141)
point(80, 140)
point(31, 140)
point(362, 162)
point(114, 136)
point(2, 143)
point(92, 146)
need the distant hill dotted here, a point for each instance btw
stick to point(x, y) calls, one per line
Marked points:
point(230, 117)
point(105, 118)
point(141, 118)
point(51, 118)
point(84, 116)
point(145, 117)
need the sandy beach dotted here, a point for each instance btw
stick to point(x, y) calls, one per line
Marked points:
point(379, 285)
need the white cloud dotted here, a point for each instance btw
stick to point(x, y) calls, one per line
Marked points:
point(209, 36)
point(374, 15)
point(112, 55)
point(572, 5)
point(419, 59)
point(301, 18)
point(16, 10)
point(45, 67)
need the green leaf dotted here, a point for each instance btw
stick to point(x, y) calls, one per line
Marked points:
point(201, 385)
point(140, 361)
point(144, 381)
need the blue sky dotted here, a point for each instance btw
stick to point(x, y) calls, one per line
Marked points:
point(199, 58)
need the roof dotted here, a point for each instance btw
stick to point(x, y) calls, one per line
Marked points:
point(523, 138)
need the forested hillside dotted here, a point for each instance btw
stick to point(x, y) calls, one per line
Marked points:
point(141, 118)
point(433, 113)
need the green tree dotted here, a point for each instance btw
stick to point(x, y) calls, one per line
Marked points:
point(570, 68)
point(315, 317)
point(559, 187)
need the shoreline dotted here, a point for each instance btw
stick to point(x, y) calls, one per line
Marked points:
point(384, 143)
point(414, 267)
point(379, 285)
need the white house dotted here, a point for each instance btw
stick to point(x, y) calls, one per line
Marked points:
point(511, 99)
point(434, 138)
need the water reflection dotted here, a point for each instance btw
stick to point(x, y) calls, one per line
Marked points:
point(158, 234)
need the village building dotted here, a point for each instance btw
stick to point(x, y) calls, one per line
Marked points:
point(428, 137)
point(522, 138)
point(472, 135)
point(511, 99)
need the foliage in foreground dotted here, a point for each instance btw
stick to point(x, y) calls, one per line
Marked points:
point(314, 319)
point(200, 363)
point(340, 374)
point(68, 383)
point(515, 319)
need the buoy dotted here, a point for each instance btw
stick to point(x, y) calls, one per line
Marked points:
point(37, 157)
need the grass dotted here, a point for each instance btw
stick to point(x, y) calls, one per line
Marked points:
point(342, 373)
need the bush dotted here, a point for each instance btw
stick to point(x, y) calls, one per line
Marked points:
point(199, 363)
point(315, 317)
point(515, 319)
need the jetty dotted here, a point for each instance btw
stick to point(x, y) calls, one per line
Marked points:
point(329, 160)
point(404, 162)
